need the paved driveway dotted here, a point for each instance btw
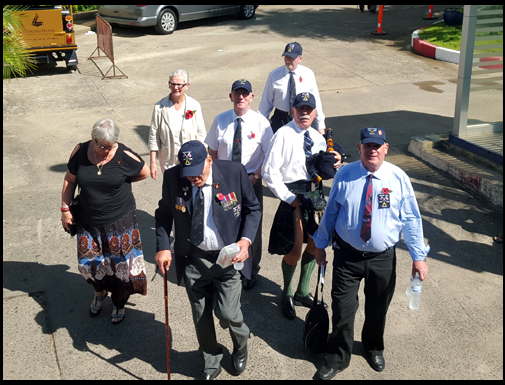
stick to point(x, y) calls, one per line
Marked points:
point(457, 334)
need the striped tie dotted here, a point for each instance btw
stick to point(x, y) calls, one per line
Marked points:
point(366, 227)
point(308, 143)
point(196, 234)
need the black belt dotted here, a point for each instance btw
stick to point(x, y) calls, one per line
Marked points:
point(210, 256)
point(280, 113)
point(300, 186)
point(366, 254)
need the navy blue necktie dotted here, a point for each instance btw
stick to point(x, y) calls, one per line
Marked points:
point(237, 143)
point(196, 235)
point(366, 226)
point(308, 143)
point(292, 91)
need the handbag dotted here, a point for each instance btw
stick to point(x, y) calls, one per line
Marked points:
point(74, 210)
point(317, 322)
point(317, 198)
point(313, 206)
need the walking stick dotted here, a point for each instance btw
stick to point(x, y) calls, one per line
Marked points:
point(165, 280)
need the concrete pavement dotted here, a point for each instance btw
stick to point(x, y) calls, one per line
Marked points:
point(457, 334)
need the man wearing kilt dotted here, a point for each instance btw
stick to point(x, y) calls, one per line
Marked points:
point(285, 172)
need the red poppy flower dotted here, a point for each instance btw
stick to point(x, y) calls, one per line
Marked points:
point(253, 135)
point(189, 114)
point(385, 190)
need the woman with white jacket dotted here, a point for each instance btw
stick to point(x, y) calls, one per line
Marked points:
point(177, 119)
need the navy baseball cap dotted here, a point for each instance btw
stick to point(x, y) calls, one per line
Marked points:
point(373, 135)
point(192, 156)
point(304, 99)
point(293, 50)
point(242, 83)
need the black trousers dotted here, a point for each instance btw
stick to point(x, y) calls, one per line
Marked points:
point(279, 118)
point(379, 273)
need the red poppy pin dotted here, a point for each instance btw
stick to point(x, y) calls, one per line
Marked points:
point(386, 191)
point(189, 114)
point(220, 196)
point(253, 135)
point(300, 80)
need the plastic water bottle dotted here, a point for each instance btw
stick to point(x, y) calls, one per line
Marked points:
point(409, 287)
point(415, 294)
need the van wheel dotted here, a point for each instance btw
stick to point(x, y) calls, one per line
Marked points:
point(167, 22)
point(247, 12)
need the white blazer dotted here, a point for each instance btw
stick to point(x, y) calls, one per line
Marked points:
point(160, 134)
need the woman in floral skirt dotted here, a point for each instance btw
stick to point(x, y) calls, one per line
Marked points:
point(109, 246)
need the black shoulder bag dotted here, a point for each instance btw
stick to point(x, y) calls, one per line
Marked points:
point(74, 210)
point(317, 322)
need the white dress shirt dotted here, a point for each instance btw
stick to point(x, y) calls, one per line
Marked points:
point(276, 92)
point(285, 159)
point(256, 136)
point(211, 238)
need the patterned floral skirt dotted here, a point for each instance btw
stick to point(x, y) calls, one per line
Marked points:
point(110, 258)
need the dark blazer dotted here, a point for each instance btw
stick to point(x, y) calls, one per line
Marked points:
point(233, 224)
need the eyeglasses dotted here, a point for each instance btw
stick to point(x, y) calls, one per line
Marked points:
point(104, 147)
point(175, 85)
point(241, 92)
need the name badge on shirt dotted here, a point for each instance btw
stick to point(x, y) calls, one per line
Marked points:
point(384, 199)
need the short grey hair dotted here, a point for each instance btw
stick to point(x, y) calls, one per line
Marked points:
point(177, 73)
point(106, 130)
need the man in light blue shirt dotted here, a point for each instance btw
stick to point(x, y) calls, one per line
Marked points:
point(370, 204)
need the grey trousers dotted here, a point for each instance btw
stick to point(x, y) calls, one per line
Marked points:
point(207, 283)
point(256, 247)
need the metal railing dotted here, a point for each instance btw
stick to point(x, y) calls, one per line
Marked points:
point(104, 44)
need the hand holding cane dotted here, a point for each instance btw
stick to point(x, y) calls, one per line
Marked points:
point(165, 280)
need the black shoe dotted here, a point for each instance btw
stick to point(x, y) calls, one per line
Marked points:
point(288, 307)
point(306, 301)
point(239, 360)
point(209, 376)
point(248, 284)
point(376, 362)
point(326, 373)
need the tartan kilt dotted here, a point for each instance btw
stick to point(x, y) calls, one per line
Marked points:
point(282, 233)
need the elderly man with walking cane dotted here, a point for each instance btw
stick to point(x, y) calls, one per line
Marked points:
point(214, 205)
